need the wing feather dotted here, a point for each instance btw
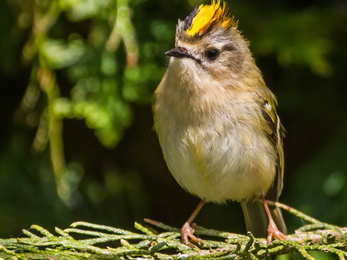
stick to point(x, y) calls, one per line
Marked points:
point(276, 133)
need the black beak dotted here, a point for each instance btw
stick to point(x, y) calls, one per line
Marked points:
point(180, 52)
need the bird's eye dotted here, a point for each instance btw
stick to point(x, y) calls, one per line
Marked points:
point(212, 54)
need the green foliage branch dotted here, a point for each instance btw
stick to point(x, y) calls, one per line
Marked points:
point(90, 66)
point(150, 244)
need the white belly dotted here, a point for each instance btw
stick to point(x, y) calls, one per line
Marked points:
point(236, 163)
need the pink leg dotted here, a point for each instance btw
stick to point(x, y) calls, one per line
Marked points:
point(272, 230)
point(187, 230)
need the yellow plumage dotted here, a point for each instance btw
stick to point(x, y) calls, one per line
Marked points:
point(207, 15)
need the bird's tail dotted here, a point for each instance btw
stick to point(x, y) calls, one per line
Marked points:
point(257, 221)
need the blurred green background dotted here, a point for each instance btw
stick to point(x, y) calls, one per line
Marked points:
point(77, 80)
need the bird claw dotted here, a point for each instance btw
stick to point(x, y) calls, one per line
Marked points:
point(187, 232)
point(273, 232)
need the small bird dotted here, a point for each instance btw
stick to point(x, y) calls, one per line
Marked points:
point(217, 122)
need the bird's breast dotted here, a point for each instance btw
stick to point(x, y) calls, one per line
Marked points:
point(211, 139)
point(219, 159)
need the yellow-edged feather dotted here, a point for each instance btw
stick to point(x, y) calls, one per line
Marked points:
point(207, 15)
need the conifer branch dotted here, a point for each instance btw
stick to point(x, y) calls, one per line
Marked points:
point(39, 243)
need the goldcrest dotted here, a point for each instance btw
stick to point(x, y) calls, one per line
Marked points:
point(217, 122)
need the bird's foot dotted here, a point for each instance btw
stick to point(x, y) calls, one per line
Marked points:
point(187, 232)
point(273, 232)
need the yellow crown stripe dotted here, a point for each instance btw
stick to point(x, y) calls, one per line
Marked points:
point(207, 15)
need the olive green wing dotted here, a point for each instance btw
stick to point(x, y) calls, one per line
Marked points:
point(276, 133)
point(254, 212)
